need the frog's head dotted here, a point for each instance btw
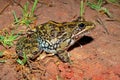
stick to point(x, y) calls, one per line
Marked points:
point(81, 28)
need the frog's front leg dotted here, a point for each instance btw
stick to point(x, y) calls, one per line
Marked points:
point(63, 56)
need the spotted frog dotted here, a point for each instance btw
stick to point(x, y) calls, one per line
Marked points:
point(53, 37)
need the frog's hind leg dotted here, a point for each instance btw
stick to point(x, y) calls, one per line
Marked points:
point(64, 56)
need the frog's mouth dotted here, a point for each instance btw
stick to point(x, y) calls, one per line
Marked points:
point(83, 32)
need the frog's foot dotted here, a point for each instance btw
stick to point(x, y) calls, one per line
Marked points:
point(64, 56)
point(46, 58)
point(44, 55)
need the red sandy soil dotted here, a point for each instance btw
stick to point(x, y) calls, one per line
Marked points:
point(97, 59)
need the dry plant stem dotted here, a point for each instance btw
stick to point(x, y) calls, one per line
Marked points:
point(113, 20)
point(30, 66)
point(113, 3)
point(101, 23)
point(16, 2)
point(3, 9)
point(26, 76)
point(11, 2)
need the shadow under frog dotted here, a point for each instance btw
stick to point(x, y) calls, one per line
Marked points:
point(81, 42)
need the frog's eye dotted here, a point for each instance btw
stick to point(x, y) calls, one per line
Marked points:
point(82, 25)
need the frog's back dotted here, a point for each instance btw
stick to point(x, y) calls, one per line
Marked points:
point(52, 30)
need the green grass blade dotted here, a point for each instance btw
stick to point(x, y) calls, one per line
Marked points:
point(99, 3)
point(81, 8)
point(1, 38)
point(25, 10)
point(15, 17)
point(24, 61)
point(2, 61)
point(25, 58)
point(113, 1)
point(20, 61)
point(1, 53)
point(34, 6)
point(93, 6)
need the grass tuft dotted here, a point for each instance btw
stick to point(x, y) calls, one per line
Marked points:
point(27, 15)
point(98, 7)
point(8, 40)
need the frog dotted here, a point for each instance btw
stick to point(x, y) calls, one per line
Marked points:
point(54, 38)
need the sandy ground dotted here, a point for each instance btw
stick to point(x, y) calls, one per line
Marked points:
point(97, 59)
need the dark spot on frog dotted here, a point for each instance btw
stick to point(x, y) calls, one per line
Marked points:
point(71, 26)
point(83, 41)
